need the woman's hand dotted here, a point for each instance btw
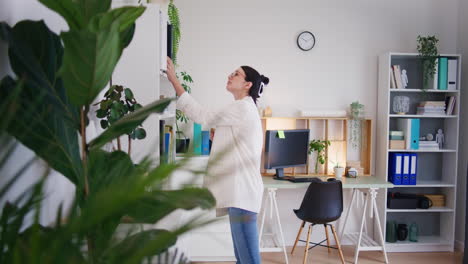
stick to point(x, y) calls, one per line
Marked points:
point(171, 75)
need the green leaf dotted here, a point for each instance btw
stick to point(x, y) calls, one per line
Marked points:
point(47, 122)
point(125, 16)
point(69, 11)
point(89, 61)
point(104, 124)
point(140, 133)
point(158, 204)
point(133, 243)
point(100, 113)
point(128, 94)
point(129, 122)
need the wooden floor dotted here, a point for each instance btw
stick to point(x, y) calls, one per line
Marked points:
point(320, 255)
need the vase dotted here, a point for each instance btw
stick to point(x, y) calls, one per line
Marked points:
point(401, 104)
point(338, 172)
point(413, 232)
point(402, 232)
point(391, 232)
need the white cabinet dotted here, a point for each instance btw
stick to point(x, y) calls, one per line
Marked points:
point(437, 169)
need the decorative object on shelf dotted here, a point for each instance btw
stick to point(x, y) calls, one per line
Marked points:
point(427, 48)
point(440, 139)
point(402, 232)
point(306, 40)
point(351, 172)
point(338, 170)
point(318, 146)
point(356, 114)
point(118, 102)
point(401, 104)
point(404, 79)
point(267, 112)
point(413, 232)
point(391, 232)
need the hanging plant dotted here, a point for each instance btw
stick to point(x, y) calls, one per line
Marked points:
point(173, 14)
point(356, 115)
point(427, 48)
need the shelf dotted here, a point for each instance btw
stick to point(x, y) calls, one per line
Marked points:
point(422, 240)
point(430, 210)
point(422, 116)
point(422, 183)
point(420, 150)
point(422, 91)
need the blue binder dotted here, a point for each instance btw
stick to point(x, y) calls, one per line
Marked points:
point(197, 139)
point(405, 177)
point(205, 142)
point(413, 168)
point(395, 166)
point(415, 125)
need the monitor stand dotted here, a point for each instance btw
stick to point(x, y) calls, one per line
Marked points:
point(280, 175)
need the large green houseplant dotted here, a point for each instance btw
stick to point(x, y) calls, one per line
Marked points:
point(56, 79)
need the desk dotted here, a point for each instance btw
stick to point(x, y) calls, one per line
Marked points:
point(363, 185)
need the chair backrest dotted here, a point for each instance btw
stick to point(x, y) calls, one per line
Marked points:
point(322, 203)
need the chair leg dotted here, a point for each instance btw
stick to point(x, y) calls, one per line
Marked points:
point(298, 235)
point(337, 243)
point(306, 251)
point(328, 240)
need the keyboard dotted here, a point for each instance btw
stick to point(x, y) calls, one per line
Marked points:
point(304, 179)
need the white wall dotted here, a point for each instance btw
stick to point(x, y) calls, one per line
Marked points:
point(463, 148)
point(219, 36)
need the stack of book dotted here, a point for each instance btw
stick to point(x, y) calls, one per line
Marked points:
point(431, 108)
point(428, 145)
point(397, 140)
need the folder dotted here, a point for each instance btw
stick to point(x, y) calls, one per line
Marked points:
point(395, 166)
point(443, 65)
point(410, 128)
point(205, 142)
point(452, 69)
point(413, 168)
point(406, 169)
point(197, 139)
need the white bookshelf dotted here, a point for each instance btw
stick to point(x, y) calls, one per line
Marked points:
point(437, 169)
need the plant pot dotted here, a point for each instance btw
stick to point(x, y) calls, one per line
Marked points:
point(338, 172)
point(182, 145)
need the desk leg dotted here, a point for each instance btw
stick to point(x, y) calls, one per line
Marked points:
point(373, 194)
point(271, 200)
point(358, 245)
point(342, 227)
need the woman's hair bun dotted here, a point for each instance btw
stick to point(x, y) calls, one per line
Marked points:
point(264, 79)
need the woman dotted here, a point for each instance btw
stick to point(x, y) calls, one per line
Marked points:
point(235, 179)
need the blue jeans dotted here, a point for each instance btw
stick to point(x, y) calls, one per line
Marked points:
point(244, 235)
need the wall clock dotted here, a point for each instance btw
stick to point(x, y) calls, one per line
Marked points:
point(306, 40)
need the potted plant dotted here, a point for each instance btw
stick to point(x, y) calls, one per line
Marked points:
point(318, 146)
point(427, 48)
point(356, 113)
point(182, 142)
point(337, 168)
point(47, 101)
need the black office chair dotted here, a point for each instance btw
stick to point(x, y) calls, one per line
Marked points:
point(322, 204)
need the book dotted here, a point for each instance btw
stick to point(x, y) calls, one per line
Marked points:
point(205, 142)
point(397, 75)
point(392, 79)
point(396, 133)
point(197, 139)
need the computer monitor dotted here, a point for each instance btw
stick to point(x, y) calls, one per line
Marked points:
point(290, 151)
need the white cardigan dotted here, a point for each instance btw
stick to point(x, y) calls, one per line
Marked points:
point(234, 164)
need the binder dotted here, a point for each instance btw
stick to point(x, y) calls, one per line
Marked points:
point(406, 169)
point(415, 125)
point(413, 168)
point(197, 138)
point(443, 65)
point(395, 166)
point(162, 141)
point(410, 128)
point(205, 143)
point(452, 69)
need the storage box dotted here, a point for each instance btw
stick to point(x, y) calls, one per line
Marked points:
point(438, 200)
point(396, 144)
